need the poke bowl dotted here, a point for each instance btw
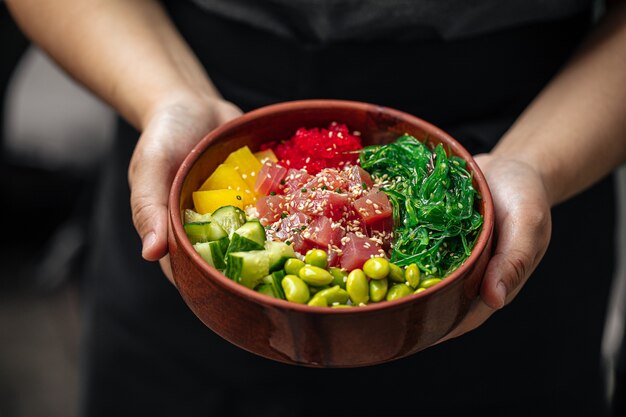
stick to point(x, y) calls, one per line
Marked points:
point(329, 233)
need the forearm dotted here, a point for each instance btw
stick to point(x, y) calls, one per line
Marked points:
point(126, 51)
point(574, 133)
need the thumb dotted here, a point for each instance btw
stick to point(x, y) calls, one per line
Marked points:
point(149, 183)
point(155, 161)
point(521, 244)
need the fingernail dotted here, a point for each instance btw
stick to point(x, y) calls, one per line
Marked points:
point(501, 293)
point(148, 241)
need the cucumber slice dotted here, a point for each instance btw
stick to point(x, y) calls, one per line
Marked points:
point(191, 216)
point(266, 289)
point(224, 242)
point(279, 253)
point(250, 236)
point(274, 280)
point(277, 278)
point(212, 253)
point(204, 232)
point(230, 218)
point(248, 268)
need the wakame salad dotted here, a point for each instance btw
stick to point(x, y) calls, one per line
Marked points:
point(435, 219)
point(319, 219)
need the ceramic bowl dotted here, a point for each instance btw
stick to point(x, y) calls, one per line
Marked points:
point(320, 336)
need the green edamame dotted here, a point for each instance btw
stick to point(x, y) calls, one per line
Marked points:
point(378, 289)
point(412, 275)
point(398, 291)
point(357, 287)
point(312, 282)
point(427, 283)
point(295, 289)
point(334, 295)
point(340, 276)
point(315, 289)
point(314, 275)
point(318, 301)
point(316, 257)
point(293, 265)
point(396, 274)
point(376, 268)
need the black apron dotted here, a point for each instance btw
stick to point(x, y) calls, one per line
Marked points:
point(145, 353)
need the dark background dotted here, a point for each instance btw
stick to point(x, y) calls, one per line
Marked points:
point(53, 135)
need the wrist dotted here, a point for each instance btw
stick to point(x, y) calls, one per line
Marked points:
point(176, 99)
point(534, 165)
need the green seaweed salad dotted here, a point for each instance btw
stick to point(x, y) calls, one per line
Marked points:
point(436, 223)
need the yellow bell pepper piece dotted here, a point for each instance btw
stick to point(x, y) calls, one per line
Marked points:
point(226, 177)
point(246, 164)
point(266, 155)
point(211, 200)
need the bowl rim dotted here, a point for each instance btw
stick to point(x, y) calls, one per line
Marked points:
point(220, 279)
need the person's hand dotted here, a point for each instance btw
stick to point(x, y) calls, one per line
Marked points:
point(522, 233)
point(170, 133)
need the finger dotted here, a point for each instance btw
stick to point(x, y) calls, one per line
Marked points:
point(149, 182)
point(521, 243)
point(226, 111)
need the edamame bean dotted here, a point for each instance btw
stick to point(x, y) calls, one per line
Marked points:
point(339, 276)
point(316, 257)
point(376, 268)
point(412, 275)
point(293, 265)
point(396, 274)
point(295, 289)
point(334, 295)
point(358, 287)
point(314, 290)
point(398, 291)
point(318, 301)
point(314, 275)
point(427, 283)
point(378, 289)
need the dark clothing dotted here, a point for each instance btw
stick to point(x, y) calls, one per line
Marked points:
point(322, 21)
point(147, 354)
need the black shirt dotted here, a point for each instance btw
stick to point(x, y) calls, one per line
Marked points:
point(346, 20)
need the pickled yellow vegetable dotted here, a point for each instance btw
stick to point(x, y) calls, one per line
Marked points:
point(226, 177)
point(210, 200)
point(267, 155)
point(246, 164)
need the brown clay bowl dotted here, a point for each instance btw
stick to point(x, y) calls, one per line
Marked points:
point(317, 336)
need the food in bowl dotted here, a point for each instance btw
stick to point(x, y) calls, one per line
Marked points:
point(297, 333)
point(319, 219)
